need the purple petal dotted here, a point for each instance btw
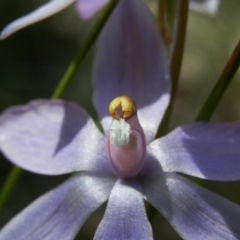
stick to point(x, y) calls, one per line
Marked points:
point(60, 213)
point(131, 61)
point(125, 216)
point(194, 212)
point(204, 150)
point(205, 6)
point(52, 137)
point(39, 14)
point(87, 8)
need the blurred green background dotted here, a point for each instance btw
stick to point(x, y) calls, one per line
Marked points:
point(33, 61)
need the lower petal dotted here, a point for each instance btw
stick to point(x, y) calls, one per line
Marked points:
point(125, 216)
point(60, 213)
point(194, 212)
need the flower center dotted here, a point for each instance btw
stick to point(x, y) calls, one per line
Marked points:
point(126, 140)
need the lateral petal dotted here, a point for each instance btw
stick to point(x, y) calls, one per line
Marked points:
point(53, 137)
point(205, 150)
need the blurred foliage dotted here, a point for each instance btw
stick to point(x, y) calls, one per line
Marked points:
point(33, 60)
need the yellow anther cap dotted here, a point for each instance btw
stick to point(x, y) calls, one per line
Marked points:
point(122, 107)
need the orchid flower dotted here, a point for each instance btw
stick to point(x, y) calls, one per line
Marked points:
point(123, 165)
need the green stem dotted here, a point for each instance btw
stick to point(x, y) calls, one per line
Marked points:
point(72, 69)
point(221, 86)
point(166, 17)
point(87, 44)
point(176, 61)
point(175, 66)
point(9, 184)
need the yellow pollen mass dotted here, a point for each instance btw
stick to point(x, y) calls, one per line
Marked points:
point(122, 107)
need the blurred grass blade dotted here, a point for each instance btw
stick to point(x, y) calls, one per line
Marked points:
point(166, 17)
point(176, 60)
point(221, 86)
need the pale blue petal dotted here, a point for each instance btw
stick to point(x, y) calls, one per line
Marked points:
point(87, 8)
point(53, 137)
point(131, 60)
point(194, 212)
point(39, 14)
point(60, 213)
point(125, 217)
point(205, 6)
point(204, 150)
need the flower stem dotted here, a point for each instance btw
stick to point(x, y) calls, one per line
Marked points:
point(9, 184)
point(223, 82)
point(175, 66)
point(72, 69)
point(176, 61)
point(163, 22)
